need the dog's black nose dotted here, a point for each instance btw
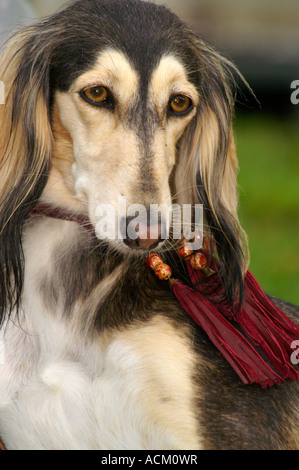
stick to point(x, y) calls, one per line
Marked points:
point(142, 234)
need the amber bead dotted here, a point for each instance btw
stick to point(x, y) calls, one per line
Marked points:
point(153, 260)
point(198, 261)
point(185, 250)
point(163, 272)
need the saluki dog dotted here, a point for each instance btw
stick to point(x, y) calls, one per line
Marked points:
point(110, 100)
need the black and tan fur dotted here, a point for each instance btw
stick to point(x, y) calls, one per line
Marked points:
point(99, 355)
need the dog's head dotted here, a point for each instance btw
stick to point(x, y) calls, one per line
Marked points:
point(113, 100)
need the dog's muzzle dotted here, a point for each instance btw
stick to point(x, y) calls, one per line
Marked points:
point(142, 233)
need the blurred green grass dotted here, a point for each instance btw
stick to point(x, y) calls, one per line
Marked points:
point(268, 153)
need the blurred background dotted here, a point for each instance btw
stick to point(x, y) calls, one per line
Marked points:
point(262, 38)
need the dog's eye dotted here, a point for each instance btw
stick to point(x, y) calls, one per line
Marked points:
point(180, 105)
point(97, 96)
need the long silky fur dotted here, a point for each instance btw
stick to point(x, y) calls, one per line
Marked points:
point(207, 150)
point(25, 146)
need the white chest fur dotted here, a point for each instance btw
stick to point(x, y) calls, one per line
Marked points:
point(133, 391)
point(130, 389)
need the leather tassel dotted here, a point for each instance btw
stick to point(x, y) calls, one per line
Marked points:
point(238, 352)
point(263, 322)
point(259, 349)
point(268, 328)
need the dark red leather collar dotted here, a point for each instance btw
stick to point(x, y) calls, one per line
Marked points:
point(62, 214)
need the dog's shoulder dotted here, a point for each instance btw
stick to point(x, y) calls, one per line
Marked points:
point(291, 310)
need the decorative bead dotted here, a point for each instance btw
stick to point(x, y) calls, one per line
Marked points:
point(185, 250)
point(153, 260)
point(198, 261)
point(163, 272)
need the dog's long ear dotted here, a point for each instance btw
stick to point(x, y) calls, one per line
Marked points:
point(25, 148)
point(207, 167)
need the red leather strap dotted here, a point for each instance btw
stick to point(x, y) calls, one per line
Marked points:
point(62, 214)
